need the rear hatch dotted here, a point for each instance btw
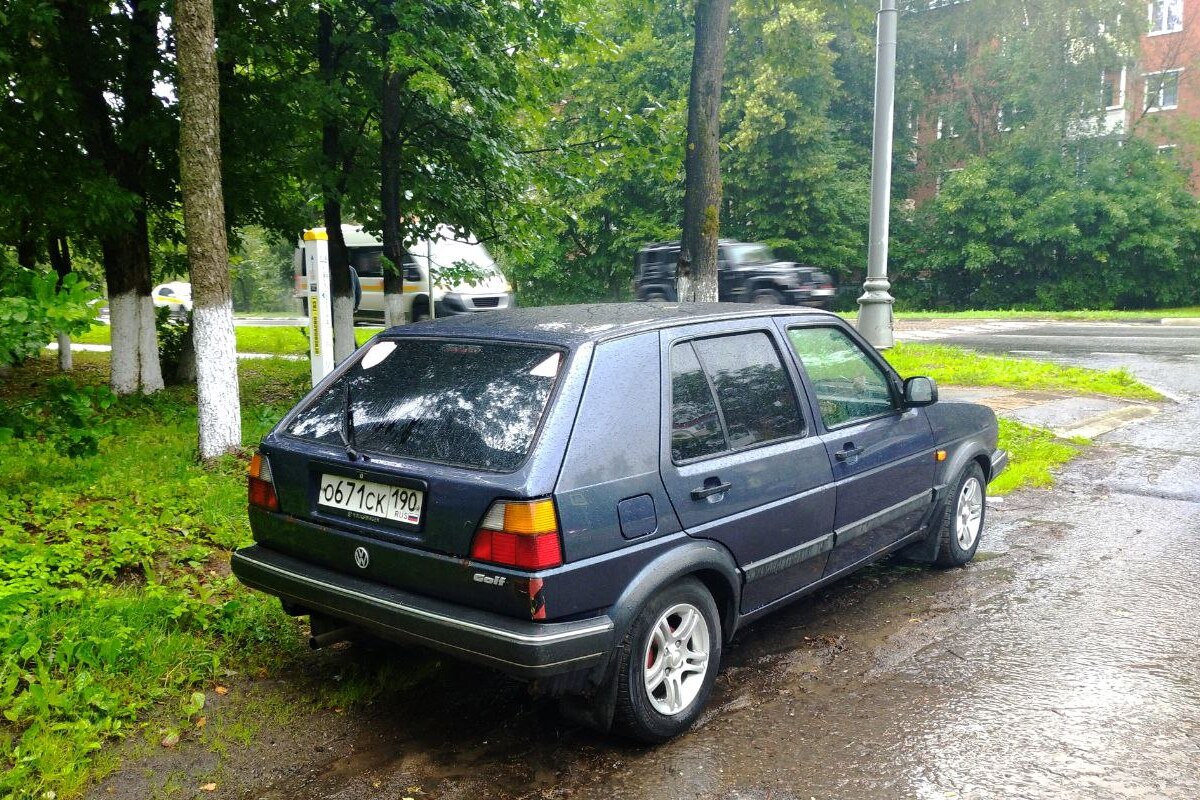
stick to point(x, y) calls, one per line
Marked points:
point(410, 444)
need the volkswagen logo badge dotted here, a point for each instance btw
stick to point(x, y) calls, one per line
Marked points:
point(361, 557)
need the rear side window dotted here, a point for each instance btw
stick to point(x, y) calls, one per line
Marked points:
point(753, 401)
point(696, 428)
point(468, 404)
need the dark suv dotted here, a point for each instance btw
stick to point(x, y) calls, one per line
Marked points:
point(598, 497)
point(746, 273)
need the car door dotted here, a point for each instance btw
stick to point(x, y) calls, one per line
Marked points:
point(740, 462)
point(882, 455)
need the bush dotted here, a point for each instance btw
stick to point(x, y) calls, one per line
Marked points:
point(1041, 227)
point(33, 310)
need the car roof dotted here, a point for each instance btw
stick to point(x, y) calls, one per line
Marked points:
point(594, 322)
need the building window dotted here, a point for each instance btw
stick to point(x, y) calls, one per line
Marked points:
point(1113, 89)
point(1162, 90)
point(1166, 16)
point(1167, 151)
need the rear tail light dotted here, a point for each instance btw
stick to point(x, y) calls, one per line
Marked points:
point(519, 534)
point(261, 484)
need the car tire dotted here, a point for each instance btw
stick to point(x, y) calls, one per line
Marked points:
point(667, 663)
point(767, 297)
point(656, 297)
point(420, 310)
point(961, 525)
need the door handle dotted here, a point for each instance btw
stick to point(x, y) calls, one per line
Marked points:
point(848, 451)
point(711, 486)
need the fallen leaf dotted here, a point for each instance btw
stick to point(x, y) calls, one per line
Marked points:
point(201, 722)
point(221, 690)
point(170, 740)
point(208, 787)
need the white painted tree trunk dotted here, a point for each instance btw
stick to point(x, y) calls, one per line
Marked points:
point(134, 344)
point(343, 328)
point(65, 358)
point(124, 333)
point(220, 413)
point(149, 368)
point(393, 309)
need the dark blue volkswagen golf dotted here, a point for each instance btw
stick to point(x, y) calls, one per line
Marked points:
point(598, 497)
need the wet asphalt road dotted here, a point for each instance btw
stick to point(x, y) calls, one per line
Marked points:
point(1063, 663)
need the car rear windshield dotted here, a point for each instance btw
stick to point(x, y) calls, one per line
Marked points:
point(465, 403)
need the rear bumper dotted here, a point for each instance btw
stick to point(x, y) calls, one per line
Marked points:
point(999, 463)
point(517, 647)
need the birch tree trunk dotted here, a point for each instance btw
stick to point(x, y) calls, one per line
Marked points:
point(697, 270)
point(204, 222)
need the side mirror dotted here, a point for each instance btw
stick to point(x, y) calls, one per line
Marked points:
point(920, 391)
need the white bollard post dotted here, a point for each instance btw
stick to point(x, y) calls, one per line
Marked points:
point(320, 317)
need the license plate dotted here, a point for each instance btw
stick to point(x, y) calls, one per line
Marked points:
point(370, 500)
point(822, 292)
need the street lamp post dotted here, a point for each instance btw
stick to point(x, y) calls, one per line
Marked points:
point(875, 304)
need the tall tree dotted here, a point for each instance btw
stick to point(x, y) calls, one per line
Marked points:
point(697, 273)
point(204, 220)
point(109, 54)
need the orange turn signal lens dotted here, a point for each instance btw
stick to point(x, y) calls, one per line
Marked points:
point(530, 518)
point(939, 455)
point(260, 484)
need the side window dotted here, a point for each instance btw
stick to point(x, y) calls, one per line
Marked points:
point(753, 391)
point(754, 400)
point(367, 262)
point(849, 385)
point(695, 426)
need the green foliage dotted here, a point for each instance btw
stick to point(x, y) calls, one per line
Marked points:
point(66, 418)
point(261, 272)
point(114, 590)
point(956, 366)
point(172, 338)
point(608, 173)
point(1035, 226)
point(1033, 454)
point(32, 310)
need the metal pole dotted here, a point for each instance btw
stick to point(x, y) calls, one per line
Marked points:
point(875, 305)
point(429, 275)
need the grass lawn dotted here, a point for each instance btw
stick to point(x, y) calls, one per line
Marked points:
point(998, 313)
point(272, 339)
point(1033, 453)
point(115, 592)
point(956, 366)
point(116, 602)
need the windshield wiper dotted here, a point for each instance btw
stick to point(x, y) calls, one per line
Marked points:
point(347, 428)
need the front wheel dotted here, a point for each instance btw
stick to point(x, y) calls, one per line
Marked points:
point(962, 522)
point(667, 663)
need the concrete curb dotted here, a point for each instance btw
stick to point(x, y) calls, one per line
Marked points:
point(1104, 423)
point(1181, 322)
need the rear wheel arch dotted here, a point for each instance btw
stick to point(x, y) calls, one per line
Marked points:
point(706, 561)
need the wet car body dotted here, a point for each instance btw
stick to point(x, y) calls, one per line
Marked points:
point(652, 487)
